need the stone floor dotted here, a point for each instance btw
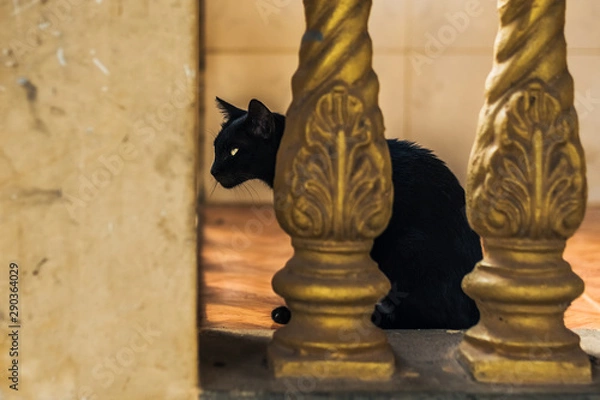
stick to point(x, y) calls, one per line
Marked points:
point(244, 246)
point(426, 369)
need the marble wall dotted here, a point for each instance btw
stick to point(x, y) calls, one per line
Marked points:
point(432, 58)
point(98, 154)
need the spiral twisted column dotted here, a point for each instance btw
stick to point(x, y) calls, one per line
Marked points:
point(333, 196)
point(526, 194)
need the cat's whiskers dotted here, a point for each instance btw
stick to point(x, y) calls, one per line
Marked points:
point(237, 192)
point(213, 189)
point(253, 192)
point(247, 188)
point(240, 191)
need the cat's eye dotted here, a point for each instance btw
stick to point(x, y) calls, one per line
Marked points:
point(234, 151)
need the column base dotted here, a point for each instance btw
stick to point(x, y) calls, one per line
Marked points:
point(569, 367)
point(375, 365)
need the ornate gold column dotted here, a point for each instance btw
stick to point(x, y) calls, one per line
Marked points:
point(526, 195)
point(333, 195)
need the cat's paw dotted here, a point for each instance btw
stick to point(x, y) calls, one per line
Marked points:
point(383, 316)
point(281, 315)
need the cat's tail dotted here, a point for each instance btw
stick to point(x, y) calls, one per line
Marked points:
point(281, 315)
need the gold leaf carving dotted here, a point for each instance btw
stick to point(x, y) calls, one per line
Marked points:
point(535, 182)
point(337, 190)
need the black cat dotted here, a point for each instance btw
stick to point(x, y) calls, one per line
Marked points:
point(428, 246)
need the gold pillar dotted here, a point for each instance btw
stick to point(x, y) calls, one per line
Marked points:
point(526, 195)
point(333, 195)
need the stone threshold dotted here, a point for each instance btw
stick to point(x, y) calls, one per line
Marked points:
point(233, 365)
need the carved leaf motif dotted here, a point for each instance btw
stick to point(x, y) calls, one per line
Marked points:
point(337, 189)
point(535, 181)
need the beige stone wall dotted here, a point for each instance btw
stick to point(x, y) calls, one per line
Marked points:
point(432, 58)
point(98, 152)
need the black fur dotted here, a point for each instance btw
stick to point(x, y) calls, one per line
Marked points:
point(428, 246)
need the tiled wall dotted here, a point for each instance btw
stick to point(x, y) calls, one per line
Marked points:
point(430, 94)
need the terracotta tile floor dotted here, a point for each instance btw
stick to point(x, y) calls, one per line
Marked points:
point(244, 246)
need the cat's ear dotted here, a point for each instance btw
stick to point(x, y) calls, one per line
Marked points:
point(261, 119)
point(230, 111)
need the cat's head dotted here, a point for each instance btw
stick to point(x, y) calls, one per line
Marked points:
point(247, 144)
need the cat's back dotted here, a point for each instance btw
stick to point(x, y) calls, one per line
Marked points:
point(422, 181)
